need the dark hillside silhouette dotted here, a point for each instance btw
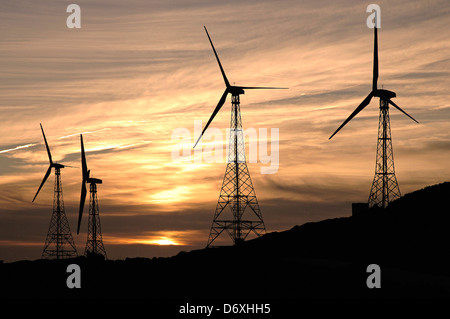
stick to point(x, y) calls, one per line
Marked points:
point(328, 259)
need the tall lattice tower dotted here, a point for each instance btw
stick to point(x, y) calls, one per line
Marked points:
point(385, 186)
point(237, 192)
point(94, 244)
point(59, 243)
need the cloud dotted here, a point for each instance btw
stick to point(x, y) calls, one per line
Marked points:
point(16, 148)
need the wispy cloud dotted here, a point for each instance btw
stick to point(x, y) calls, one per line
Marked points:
point(86, 132)
point(16, 148)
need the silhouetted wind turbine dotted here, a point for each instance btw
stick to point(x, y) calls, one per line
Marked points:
point(94, 244)
point(59, 243)
point(385, 187)
point(237, 191)
point(232, 89)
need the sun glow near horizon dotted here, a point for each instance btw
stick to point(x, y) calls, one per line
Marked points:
point(159, 238)
point(160, 241)
point(151, 240)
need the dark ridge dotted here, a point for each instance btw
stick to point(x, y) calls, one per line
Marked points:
point(327, 259)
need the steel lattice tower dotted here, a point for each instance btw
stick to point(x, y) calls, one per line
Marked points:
point(59, 243)
point(385, 186)
point(94, 244)
point(237, 190)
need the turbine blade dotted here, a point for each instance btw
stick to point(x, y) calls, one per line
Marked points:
point(46, 145)
point(216, 110)
point(260, 88)
point(375, 59)
point(43, 181)
point(398, 108)
point(355, 112)
point(218, 61)
point(83, 161)
point(82, 200)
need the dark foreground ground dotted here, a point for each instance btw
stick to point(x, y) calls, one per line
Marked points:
point(409, 241)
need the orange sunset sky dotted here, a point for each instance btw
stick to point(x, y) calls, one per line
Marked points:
point(138, 70)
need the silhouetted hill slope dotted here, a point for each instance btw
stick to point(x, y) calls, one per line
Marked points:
point(413, 229)
point(327, 259)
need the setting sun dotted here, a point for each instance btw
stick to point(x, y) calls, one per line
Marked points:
point(164, 242)
point(150, 240)
point(161, 241)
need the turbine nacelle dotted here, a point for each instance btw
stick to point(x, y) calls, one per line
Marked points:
point(92, 180)
point(384, 94)
point(57, 165)
point(236, 90)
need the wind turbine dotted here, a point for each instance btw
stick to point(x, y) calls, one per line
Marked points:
point(234, 90)
point(384, 187)
point(237, 189)
point(94, 244)
point(59, 243)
